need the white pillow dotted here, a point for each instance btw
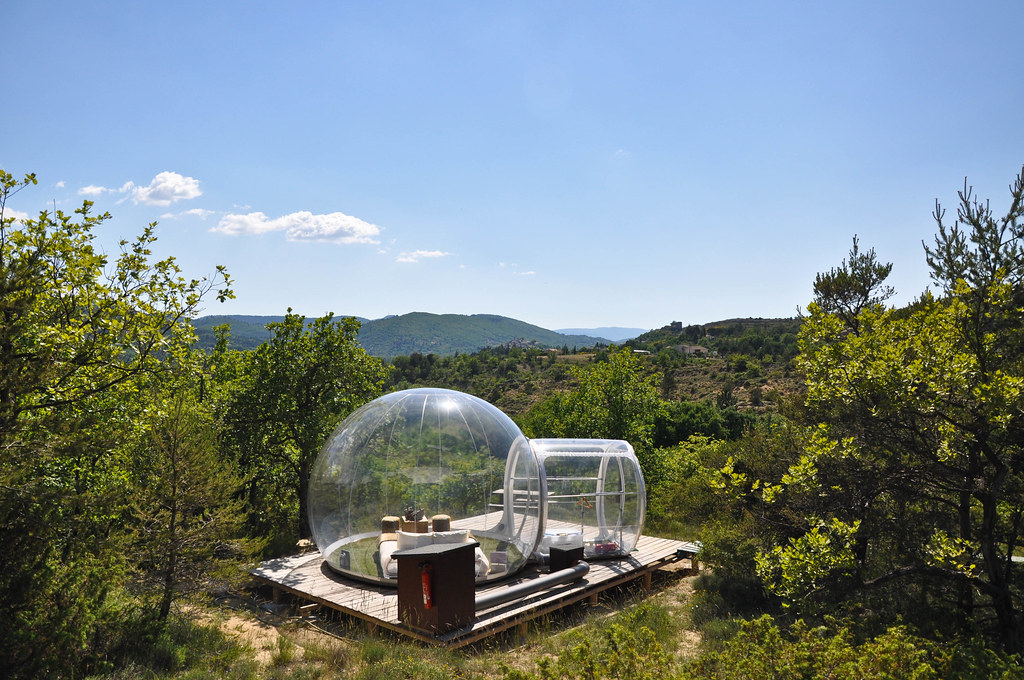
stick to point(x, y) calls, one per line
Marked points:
point(387, 564)
point(458, 536)
point(481, 563)
point(408, 541)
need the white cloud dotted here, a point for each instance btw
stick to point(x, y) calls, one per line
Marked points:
point(417, 255)
point(303, 226)
point(513, 266)
point(60, 184)
point(93, 190)
point(16, 214)
point(166, 188)
point(253, 223)
point(201, 213)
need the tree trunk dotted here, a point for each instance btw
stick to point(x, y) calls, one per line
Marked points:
point(965, 598)
point(172, 565)
point(303, 491)
point(994, 560)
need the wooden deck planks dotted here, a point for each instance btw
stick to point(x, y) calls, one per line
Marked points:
point(307, 577)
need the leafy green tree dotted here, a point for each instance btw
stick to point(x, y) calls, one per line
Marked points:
point(614, 399)
point(186, 515)
point(678, 420)
point(78, 332)
point(293, 390)
point(913, 480)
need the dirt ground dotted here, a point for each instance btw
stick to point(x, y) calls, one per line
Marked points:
point(262, 637)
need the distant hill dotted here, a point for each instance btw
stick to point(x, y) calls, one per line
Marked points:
point(756, 337)
point(441, 334)
point(613, 333)
point(445, 334)
point(246, 331)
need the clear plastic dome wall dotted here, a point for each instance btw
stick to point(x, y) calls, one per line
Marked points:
point(595, 495)
point(425, 466)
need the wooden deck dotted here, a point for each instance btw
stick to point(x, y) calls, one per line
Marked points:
point(309, 578)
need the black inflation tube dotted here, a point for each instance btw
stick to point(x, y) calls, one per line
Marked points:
point(525, 588)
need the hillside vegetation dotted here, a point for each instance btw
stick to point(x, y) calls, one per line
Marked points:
point(743, 374)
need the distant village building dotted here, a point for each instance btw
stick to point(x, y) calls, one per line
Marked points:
point(695, 350)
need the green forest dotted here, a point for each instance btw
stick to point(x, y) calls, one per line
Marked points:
point(854, 475)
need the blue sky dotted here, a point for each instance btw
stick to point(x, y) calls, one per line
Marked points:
point(570, 164)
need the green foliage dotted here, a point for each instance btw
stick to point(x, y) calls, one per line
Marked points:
point(286, 398)
point(760, 339)
point(187, 519)
point(684, 498)
point(80, 336)
point(679, 420)
point(914, 474)
point(181, 648)
point(613, 400)
point(761, 649)
point(733, 522)
point(384, 660)
point(721, 598)
point(629, 648)
point(802, 567)
point(511, 378)
point(856, 285)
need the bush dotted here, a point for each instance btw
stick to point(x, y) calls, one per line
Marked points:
point(722, 596)
point(761, 649)
point(632, 647)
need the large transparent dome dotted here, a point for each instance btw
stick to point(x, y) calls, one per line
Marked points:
point(421, 466)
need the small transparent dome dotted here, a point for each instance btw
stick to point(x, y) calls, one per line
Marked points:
point(594, 495)
point(422, 466)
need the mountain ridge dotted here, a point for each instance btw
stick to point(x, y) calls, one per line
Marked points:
point(415, 332)
point(613, 333)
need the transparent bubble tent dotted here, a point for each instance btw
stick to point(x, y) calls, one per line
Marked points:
point(431, 466)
